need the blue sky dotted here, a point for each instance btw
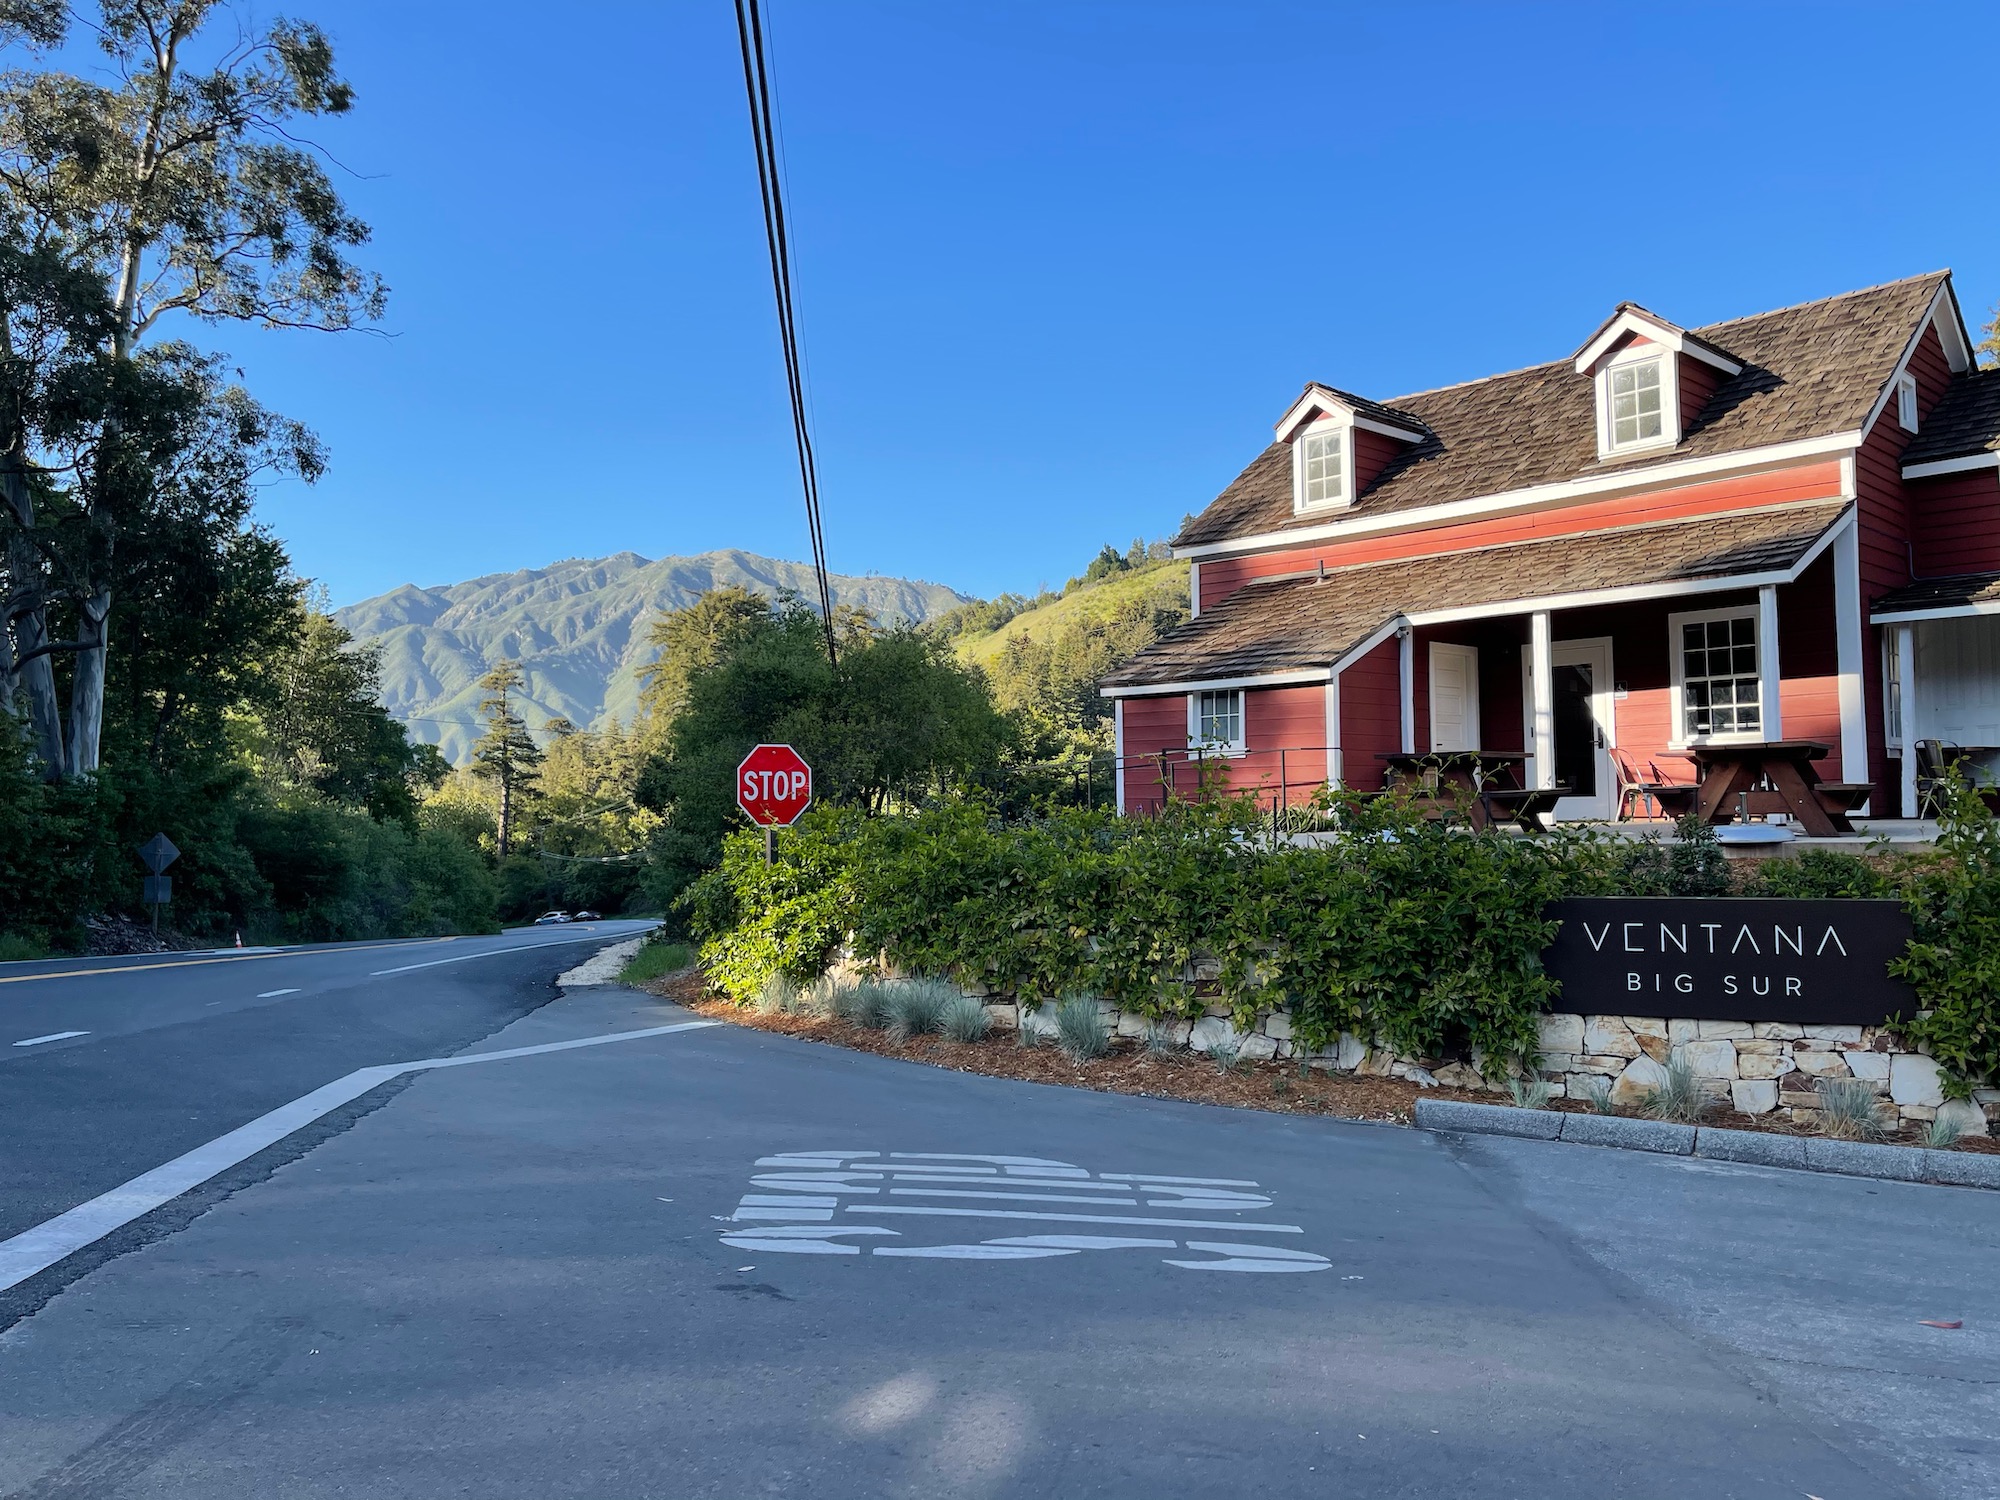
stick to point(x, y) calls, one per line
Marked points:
point(1061, 264)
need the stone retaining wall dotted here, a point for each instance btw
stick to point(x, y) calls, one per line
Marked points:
point(1755, 1067)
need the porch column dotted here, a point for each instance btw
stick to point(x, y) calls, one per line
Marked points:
point(1118, 751)
point(1767, 660)
point(1333, 766)
point(1906, 678)
point(1407, 655)
point(1542, 681)
point(1850, 640)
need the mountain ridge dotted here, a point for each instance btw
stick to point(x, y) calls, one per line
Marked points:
point(579, 628)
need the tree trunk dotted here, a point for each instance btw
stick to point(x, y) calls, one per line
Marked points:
point(35, 674)
point(506, 809)
point(86, 690)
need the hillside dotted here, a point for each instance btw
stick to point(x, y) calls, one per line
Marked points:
point(579, 629)
point(1093, 604)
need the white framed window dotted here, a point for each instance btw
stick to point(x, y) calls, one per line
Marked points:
point(1215, 720)
point(1718, 691)
point(1323, 467)
point(1906, 402)
point(1637, 394)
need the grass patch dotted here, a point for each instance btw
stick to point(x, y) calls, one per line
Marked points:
point(1081, 1030)
point(1530, 1093)
point(1849, 1110)
point(916, 1007)
point(966, 1020)
point(16, 949)
point(654, 961)
point(1679, 1096)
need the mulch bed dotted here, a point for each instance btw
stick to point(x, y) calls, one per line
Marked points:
point(1278, 1087)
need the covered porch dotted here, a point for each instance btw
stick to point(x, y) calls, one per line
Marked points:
point(1941, 675)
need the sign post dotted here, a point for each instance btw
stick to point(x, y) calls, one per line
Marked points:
point(774, 788)
point(158, 852)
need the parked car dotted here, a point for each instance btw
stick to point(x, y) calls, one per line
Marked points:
point(588, 916)
point(550, 918)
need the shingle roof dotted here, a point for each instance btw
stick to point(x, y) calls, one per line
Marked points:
point(1364, 407)
point(1295, 623)
point(1940, 593)
point(1965, 421)
point(1808, 371)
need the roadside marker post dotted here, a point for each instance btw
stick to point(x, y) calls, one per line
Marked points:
point(774, 788)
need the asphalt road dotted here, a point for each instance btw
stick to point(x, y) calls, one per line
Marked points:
point(723, 1263)
point(177, 1048)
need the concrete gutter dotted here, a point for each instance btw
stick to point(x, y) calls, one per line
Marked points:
point(1754, 1147)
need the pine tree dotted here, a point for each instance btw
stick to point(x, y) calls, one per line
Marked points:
point(506, 754)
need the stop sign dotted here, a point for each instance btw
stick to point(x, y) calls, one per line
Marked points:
point(773, 785)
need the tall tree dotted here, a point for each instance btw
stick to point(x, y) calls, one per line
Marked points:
point(179, 186)
point(694, 639)
point(1989, 340)
point(506, 754)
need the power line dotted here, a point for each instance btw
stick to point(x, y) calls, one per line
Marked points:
point(756, 85)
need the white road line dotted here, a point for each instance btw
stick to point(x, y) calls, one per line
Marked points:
point(35, 1250)
point(1021, 1197)
point(53, 1036)
point(487, 953)
point(273, 994)
point(872, 1209)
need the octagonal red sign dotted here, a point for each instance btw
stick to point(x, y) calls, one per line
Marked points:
point(774, 785)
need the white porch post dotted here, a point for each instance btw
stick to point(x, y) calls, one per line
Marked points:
point(1542, 685)
point(1767, 660)
point(1334, 769)
point(1906, 677)
point(1407, 655)
point(1118, 750)
point(1850, 641)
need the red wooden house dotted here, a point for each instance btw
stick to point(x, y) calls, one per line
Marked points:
point(1784, 526)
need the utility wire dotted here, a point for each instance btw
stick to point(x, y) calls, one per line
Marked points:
point(757, 87)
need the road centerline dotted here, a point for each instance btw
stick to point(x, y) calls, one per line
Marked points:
point(53, 1036)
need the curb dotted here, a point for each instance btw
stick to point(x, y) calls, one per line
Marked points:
point(1752, 1147)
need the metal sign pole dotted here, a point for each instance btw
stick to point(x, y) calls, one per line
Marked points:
point(770, 844)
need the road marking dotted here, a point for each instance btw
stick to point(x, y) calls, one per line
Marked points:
point(273, 994)
point(796, 1218)
point(230, 956)
point(53, 1036)
point(35, 1250)
point(488, 953)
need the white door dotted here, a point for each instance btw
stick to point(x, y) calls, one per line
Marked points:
point(1454, 697)
point(1585, 727)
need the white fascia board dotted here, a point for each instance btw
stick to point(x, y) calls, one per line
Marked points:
point(1536, 497)
point(1368, 643)
point(1387, 429)
point(1318, 401)
point(1217, 684)
point(1944, 612)
point(1952, 465)
point(1663, 334)
point(1639, 592)
point(1957, 354)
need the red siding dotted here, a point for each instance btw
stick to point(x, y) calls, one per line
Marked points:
point(1222, 576)
point(1698, 383)
point(1809, 663)
point(1151, 726)
point(1957, 519)
point(1886, 538)
point(1371, 715)
point(1372, 454)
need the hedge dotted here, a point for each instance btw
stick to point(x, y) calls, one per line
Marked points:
point(1424, 935)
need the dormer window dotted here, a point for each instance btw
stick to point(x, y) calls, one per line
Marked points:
point(1651, 377)
point(1323, 460)
point(1636, 417)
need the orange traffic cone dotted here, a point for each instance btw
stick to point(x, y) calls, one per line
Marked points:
point(239, 940)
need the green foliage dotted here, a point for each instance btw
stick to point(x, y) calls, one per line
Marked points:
point(1953, 962)
point(15, 947)
point(1428, 937)
point(657, 958)
point(1678, 1096)
point(1819, 874)
point(1693, 865)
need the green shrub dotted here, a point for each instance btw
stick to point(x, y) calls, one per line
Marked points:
point(1818, 874)
point(1081, 1030)
point(966, 1020)
point(916, 1007)
point(15, 947)
point(1953, 962)
point(789, 918)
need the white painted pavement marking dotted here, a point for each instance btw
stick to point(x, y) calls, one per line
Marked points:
point(463, 958)
point(796, 1218)
point(273, 994)
point(35, 1250)
point(53, 1036)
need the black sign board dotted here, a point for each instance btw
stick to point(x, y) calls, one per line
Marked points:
point(1816, 963)
point(159, 890)
point(158, 852)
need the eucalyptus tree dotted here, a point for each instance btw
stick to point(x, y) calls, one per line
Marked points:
point(173, 179)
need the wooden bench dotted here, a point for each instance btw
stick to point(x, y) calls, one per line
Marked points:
point(1529, 808)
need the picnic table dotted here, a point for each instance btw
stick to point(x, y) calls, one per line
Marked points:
point(1486, 784)
point(1773, 776)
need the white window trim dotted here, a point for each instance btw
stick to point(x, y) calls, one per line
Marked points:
point(1670, 401)
point(1678, 737)
point(1906, 402)
point(1238, 746)
point(1320, 427)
